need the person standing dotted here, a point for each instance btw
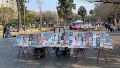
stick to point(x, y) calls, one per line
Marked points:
point(4, 30)
point(7, 33)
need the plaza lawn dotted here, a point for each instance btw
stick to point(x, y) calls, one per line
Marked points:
point(29, 31)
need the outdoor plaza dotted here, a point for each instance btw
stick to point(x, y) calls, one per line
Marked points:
point(60, 33)
point(12, 58)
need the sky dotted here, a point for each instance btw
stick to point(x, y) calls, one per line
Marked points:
point(50, 5)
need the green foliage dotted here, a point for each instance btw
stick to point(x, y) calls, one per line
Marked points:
point(48, 16)
point(65, 8)
point(91, 12)
point(76, 16)
point(23, 10)
point(30, 18)
point(82, 11)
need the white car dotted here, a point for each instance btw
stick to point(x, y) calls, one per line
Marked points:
point(87, 26)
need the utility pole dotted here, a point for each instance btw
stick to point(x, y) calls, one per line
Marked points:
point(25, 1)
point(39, 2)
point(19, 17)
point(40, 13)
point(57, 15)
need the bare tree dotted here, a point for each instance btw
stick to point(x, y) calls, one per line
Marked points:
point(109, 12)
point(106, 1)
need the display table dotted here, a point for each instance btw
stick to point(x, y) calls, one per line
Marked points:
point(65, 40)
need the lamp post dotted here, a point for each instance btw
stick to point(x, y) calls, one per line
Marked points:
point(40, 7)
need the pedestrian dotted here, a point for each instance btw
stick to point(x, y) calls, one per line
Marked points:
point(7, 33)
point(4, 30)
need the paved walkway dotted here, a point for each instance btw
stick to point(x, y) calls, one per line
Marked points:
point(8, 55)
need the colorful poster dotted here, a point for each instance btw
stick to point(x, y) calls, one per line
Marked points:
point(25, 40)
point(94, 43)
point(16, 41)
point(56, 39)
point(67, 39)
point(35, 40)
point(98, 41)
point(108, 43)
point(45, 38)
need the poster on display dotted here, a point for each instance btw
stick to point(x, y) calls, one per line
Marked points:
point(45, 38)
point(94, 42)
point(20, 43)
point(75, 44)
point(48, 39)
point(74, 40)
point(16, 41)
point(98, 41)
point(83, 40)
point(25, 40)
point(104, 40)
point(87, 39)
point(35, 40)
point(56, 39)
point(108, 43)
point(70, 38)
point(67, 39)
point(21, 40)
point(90, 41)
point(80, 37)
point(80, 40)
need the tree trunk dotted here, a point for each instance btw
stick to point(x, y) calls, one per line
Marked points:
point(83, 19)
point(119, 23)
point(115, 22)
point(19, 19)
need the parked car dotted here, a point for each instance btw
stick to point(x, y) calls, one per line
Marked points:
point(76, 25)
point(13, 30)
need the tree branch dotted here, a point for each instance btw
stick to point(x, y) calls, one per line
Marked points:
point(105, 1)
